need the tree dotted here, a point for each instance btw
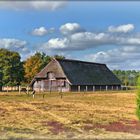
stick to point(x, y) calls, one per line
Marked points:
point(11, 68)
point(138, 98)
point(1, 83)
point(35, 63)
point(32, 66)
point(128, 77)
point(59, 56)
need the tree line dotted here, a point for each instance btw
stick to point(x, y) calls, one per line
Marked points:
point(127, 77)
point(15, 72)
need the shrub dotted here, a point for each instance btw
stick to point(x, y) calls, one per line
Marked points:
point(138, 98)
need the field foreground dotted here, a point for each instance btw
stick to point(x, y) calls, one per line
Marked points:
point(99, 115)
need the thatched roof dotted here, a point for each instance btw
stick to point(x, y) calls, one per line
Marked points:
point(54, 67)
point(88, 73)
point(80, 72)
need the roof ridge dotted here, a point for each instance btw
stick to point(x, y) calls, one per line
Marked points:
point(73, 60)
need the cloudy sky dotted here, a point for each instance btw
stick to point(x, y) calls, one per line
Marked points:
point(104, 32)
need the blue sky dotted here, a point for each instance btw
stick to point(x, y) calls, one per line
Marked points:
point(104, 32)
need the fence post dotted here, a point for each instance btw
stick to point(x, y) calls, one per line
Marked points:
point(100, 88)
point(79, 89)
point(19, 89)
point(93, 88)
point(117, 87)
point(112, 88)
point(7, 88)
point(86, 88)
point(106, 88)
point(27, 90)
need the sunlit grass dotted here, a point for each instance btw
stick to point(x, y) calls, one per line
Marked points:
point(23, 116)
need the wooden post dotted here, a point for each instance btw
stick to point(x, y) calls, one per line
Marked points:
point(27, 90)
point(7, 88)
point(93, 88)
point(33, 94)
point(100, 88)
point(112, 88)
point(19, 88)
point(61, 95)
point(86, 88)
point(50, 85)
point(78, 88)
point(106, 88)
point(43, 95)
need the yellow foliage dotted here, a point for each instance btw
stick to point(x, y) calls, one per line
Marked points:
point(32, 67)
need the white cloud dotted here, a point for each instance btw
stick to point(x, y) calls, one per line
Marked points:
point(122, 28)
point(14, 45)
point(35, 5)
point(42, 31)
point(77, 41)
point(56, 43)
point(87, 40)
point(126, 57)
point(70, 28)
point(76, 38)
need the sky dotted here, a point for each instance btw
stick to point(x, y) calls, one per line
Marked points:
point(103, 32)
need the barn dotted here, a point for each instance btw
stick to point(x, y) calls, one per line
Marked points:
point(74, 75)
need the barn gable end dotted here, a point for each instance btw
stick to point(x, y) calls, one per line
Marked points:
point(54, 67)
point(42, 81)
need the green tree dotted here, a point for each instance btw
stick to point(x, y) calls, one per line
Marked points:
point(11, 68)
point(35, 63)
point(138, 98)
point(128, 77)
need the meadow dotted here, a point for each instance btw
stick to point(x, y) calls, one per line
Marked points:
point(98, 115)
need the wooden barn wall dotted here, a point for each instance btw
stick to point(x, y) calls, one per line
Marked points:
point(54, 85)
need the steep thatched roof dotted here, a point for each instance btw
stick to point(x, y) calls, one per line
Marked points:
point(87, 73)
point(54, 67)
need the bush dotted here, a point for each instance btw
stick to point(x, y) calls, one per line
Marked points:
point(138, 98)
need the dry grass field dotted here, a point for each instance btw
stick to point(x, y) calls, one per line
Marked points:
point(99, 115)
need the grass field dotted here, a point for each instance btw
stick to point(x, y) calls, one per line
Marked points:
point(99, 115)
